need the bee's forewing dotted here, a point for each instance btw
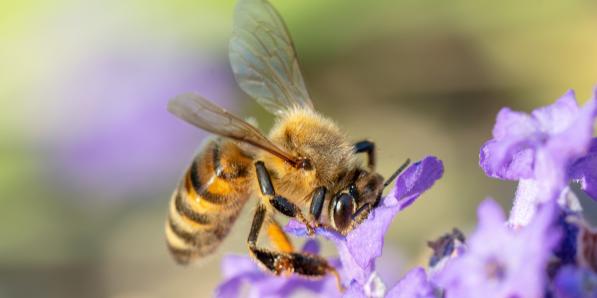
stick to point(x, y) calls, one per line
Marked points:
point(264, 60)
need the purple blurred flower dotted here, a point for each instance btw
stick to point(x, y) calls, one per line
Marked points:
point(125, 143)
point(239, 270)
point(359, 249)
point(501, 261)
point(575, 282)
point(538, 150)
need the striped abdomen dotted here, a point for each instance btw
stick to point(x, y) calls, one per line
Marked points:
point(208, 200)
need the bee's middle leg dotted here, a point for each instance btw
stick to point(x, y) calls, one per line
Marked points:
point(280, 203)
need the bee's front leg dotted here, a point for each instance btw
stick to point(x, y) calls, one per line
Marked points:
point(280, 203)
point(287, 262)
point(360, 215)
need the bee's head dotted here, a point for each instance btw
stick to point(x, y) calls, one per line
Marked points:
point(364, 191)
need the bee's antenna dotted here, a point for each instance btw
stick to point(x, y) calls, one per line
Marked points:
point(400, 169)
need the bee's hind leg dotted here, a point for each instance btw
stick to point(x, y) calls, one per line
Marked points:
point(280, 203)
point(305, 264)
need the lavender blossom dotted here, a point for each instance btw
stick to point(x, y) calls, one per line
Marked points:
point(538, 150)
point(240, 270)
point(359, 249)
point(500, 261)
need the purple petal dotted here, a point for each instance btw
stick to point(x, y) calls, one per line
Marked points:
point(228, 289)
point(354, 290)
point(558, 116)
point(509, 155)
point(572, 282)
point(236, 265)
point(574, 141)
point(287, 286)
point(296, 228)
point(490, 214)
point(236, 270)
point(240, 270)
point(311, 246)
point(365, 242)
point(413, 285)
point(415, 180)
point(584, 170)
point(353, 271)
point(508, 159)
point(510, 124)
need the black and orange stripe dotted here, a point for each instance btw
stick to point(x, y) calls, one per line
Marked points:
point(208, 200)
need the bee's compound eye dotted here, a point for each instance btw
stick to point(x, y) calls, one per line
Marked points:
point(344, 206)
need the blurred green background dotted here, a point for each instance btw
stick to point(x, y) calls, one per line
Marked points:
point(89, 155)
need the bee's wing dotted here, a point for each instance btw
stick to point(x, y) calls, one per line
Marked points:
point(206, 115)
point(263, 58)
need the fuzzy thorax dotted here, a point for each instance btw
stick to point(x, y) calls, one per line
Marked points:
point(305, 133)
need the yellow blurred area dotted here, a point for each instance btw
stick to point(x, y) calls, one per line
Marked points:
point(90, 155)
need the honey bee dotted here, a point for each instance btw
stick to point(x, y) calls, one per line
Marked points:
point(306, 161)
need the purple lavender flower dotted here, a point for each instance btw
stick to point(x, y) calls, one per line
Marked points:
point(573, 282)
point(538, 150)
point(359, 249)
point(500, 261)
point(239, 270)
